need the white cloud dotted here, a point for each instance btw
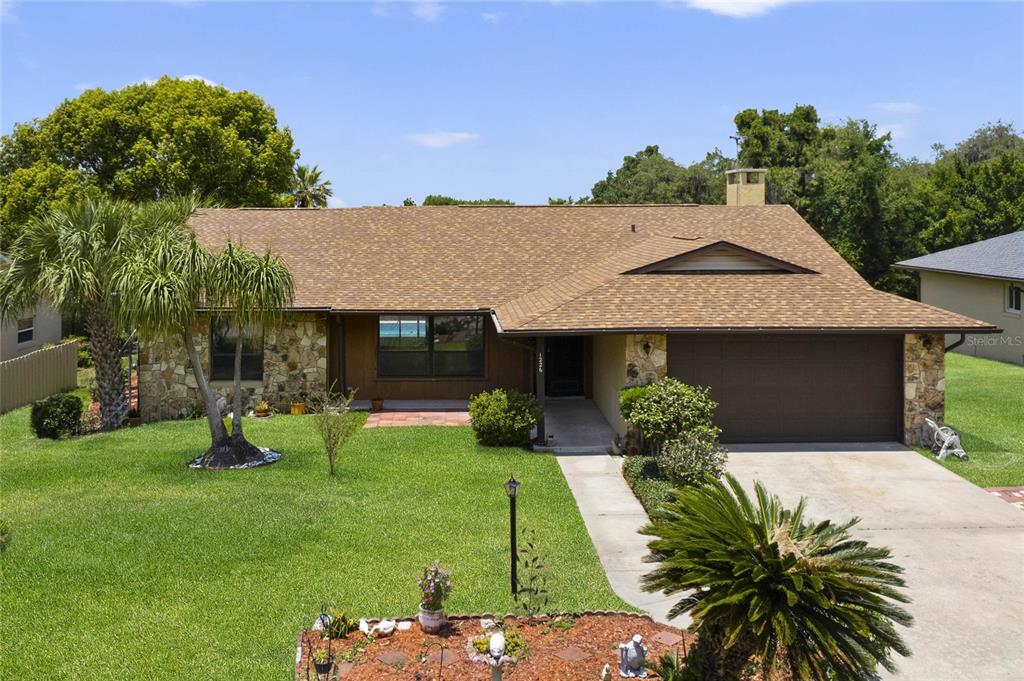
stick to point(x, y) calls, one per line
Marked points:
point(739, 9)
point(898, 107)
point(440, 139)
point(427, 10)
point(381, 9)
point(899, 131)
point(7, 15)
point(492, 18)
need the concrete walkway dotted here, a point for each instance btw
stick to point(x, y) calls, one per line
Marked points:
point(578, 427)
point(612, 516)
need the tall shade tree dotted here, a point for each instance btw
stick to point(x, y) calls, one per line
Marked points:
point(69, 257)
point(309, 189)
point(145, 142)
point(251, 291)
point(163, 286)
point(761, 580)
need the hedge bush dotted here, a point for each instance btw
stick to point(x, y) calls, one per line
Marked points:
point(56, 416)
point(503, 417)
point(691, 458)
point(663, 410)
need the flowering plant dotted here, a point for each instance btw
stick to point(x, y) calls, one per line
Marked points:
point(436, 585)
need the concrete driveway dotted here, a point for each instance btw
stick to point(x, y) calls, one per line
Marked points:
point(962, 548)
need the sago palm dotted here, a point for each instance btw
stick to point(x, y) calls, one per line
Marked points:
point(251, 291)
point(162, 287)
point(309, 189)
point(68, 257)
point(761, 580)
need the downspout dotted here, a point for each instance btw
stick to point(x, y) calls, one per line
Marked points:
point(954, 346)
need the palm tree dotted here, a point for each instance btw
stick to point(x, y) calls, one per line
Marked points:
point(762, 580)
point(68, 257)
point(252, 291)
point(163, 285)
point(308, 189)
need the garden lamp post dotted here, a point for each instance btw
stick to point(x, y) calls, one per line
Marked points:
point(512, 489)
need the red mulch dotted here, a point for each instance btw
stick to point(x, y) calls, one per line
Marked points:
point(553, 656)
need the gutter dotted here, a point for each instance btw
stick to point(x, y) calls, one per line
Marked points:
point(748, 330)
point(954, 346)
point(939, 270)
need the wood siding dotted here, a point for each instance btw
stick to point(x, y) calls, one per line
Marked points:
point(506, 365)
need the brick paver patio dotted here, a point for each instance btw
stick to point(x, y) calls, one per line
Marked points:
point(438, 417)
point(1014, 495)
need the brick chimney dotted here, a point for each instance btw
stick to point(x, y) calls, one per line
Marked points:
point(745, 187)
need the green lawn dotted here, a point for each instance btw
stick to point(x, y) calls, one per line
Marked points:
point(985, 404)
point(126, 565)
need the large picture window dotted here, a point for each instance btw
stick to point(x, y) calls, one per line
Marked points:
point(414, 346)
point(222, 352)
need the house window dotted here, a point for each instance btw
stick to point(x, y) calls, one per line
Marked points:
point(753, 178)
point(1013, 298)
point(422, 346)
point(26, 330)
point(223, 335)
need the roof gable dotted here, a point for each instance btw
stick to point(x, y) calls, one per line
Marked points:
point(721, 257)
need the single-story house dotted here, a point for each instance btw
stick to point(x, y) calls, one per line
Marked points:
point(984, 280)
point(36, 327)
point(439, 303)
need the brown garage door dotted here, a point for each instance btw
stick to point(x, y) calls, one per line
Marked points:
point(796, 388)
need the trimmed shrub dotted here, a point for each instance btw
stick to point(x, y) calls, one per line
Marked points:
point(56, 416)
point(663, 410)
point(84, 355)
point(503, 417)
point(648, 483)
point(691, 458)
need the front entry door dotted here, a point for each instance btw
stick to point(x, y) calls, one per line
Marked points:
point(564, 359)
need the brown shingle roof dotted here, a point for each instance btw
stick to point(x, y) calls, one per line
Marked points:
point(561, 267)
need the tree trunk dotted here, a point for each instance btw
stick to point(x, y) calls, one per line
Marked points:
point(105, 345)
point(236, 411)
point(225, 451)
point(218, 434)
point(721, 663)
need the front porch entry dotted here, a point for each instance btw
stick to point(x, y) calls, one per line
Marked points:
point(574, 425)
point(571, 422)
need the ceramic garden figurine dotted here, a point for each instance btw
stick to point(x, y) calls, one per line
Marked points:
point(632, 656)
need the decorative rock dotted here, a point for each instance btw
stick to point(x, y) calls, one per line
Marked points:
point(384, 628)
point(923, 385)
point(343, 669)
point(405, 626)
point(487, 623)
point(268, 456)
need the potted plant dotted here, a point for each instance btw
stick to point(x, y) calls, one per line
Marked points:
point(298, 408)
point(377, 404)
point(322, 660)
point(261, 410)
point(435, 586)
point(134, 418)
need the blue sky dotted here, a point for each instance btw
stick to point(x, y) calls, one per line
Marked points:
point(526, 101)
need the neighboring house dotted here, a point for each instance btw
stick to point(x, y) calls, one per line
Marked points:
point(40, 325)
point(984, 280)
point(577, 302)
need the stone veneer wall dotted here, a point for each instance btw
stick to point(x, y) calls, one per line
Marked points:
point(648, 364)
point(924, 385)
point(294, 367)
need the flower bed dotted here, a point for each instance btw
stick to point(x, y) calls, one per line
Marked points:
point(558, 647)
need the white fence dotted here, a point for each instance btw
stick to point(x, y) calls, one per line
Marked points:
point(38, 374)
